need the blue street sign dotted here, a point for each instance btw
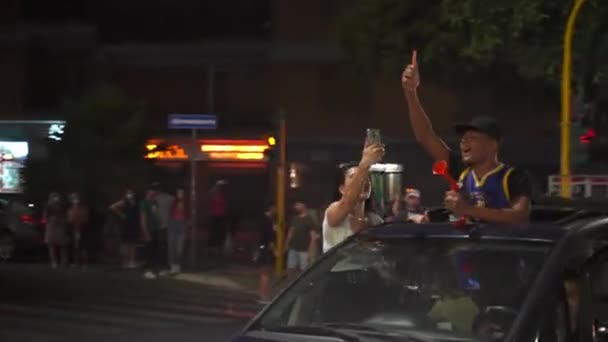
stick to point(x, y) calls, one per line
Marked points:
point(192, 121)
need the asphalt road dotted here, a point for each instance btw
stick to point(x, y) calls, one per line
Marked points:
point(40, 304)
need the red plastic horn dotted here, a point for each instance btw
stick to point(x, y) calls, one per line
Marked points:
point(440, 168)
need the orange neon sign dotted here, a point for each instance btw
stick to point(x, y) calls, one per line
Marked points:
point(172, 152)
point(236, 155)
point(234, 148)
point(226, 150)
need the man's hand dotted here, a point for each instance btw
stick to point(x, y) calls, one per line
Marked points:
point(410, 79)
point(457, 204)
point(418, 218)
point(372, 154)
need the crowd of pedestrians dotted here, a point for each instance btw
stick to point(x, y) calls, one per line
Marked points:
point(157, 223)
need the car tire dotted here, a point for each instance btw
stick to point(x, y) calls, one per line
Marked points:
point(7, 246)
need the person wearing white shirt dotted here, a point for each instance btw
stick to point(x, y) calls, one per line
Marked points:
point(347, 216)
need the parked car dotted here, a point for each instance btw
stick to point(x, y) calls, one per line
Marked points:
point(21, 227)
point(433, 282)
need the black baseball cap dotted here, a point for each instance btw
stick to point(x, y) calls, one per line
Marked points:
point(482, 124)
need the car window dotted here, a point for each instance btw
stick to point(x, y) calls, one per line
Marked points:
point(460, 286)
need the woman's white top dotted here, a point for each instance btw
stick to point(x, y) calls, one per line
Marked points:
point(333, 235)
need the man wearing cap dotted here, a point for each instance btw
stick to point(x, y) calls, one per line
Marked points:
point(490, 190)
point(413, 210)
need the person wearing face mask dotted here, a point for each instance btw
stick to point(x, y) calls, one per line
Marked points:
point(127, 209)
point(490, 190)
point(56, 234)
point(78, 218)
point(348, 214)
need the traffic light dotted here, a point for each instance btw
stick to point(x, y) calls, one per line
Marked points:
point(580, 137)
point(270, 153)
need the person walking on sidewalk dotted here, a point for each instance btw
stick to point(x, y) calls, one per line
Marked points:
point(218, 213)
point(165, 202)
point(78, 220)
point(152, 233)
point(266, 254)
point(178, 221)
point(298, 240)
point(130, 220)
point(56, 233)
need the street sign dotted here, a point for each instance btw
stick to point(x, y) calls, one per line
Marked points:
point(192, 121)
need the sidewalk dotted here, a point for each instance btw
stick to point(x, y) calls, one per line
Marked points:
point(239, 278)
point(234, 277)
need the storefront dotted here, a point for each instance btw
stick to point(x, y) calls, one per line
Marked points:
point(242, 163)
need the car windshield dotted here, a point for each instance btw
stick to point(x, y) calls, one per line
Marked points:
point(459, 287)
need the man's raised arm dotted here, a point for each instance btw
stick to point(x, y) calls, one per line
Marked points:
point(421, 125)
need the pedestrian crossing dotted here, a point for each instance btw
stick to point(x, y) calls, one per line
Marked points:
point(63, 308)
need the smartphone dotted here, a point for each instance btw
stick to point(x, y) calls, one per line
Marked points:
point(373, 136)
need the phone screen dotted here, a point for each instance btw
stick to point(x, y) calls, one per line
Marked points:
point(373, 136)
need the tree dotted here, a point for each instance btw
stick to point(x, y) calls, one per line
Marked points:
point(464, 38)
point(101, 151)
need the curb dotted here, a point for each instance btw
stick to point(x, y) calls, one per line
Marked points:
point(231, 283)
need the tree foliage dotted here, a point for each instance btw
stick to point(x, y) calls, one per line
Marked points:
point(459, 38)
point(101, 150)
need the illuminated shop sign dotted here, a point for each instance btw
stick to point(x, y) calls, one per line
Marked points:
point(220, 150)
point(12, 157)
point(173, 152)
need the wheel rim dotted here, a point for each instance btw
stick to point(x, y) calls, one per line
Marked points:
point(7, 247)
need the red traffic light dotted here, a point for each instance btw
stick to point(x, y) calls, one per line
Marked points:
point(587, 137)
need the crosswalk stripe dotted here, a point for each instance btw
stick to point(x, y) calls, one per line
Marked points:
point(54, 326)
point(190, 298)
point(7, 334)
point(225, 309)
point(85, 317)
point(116, 311)
point(223, 302)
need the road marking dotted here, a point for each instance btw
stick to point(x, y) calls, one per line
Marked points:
point(225, 309)
point(82, 316)
point(144, 313)
point(53, 325)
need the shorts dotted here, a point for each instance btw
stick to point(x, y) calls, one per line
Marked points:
point(297, 260)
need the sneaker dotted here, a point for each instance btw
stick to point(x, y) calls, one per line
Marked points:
point(263, 302)
point(150, 275)
point(164, 273)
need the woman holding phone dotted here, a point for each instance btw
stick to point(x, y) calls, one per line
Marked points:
point(348, 214)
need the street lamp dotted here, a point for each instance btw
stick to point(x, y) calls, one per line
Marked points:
point(567, 99)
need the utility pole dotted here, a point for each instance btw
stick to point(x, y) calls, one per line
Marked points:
point(566, 116)
point(280, 195)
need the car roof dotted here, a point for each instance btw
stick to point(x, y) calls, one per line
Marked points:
point(551, 219)
point(544, 232)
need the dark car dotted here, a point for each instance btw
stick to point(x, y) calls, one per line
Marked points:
point(433, 282)
point(21, 227)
